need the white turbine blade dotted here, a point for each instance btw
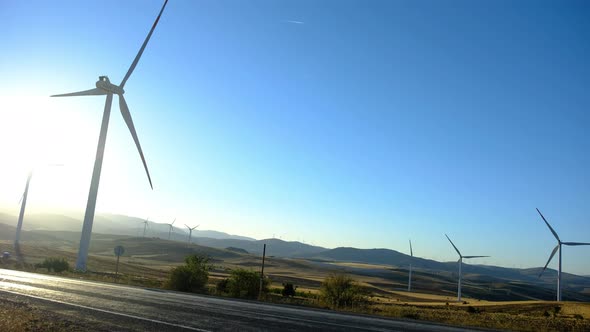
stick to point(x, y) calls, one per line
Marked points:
point(411, 252)
point(550, 228)
point(474, 256)
point(129, 122)
point(173, 222)
point(91, 92)
point(187, 226)
point(575, 243)
point(549, 260)
point(453, 245)
point(136, 60)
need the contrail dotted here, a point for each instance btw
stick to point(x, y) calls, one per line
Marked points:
point(294, 22)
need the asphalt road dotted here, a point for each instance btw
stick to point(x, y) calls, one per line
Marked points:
point(133, 308)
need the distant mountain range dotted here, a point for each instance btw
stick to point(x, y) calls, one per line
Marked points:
point(110, 224)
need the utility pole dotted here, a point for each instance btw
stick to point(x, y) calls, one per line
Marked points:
point(262, 272)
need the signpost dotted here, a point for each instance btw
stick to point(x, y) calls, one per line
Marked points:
point(262, 272)
point(119, 250)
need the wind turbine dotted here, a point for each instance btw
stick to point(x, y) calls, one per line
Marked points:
point(190, 232)
point(145, 223)
point(460, 263)
point(105, 87)
point(410, 273)
point(21, 215)
point(23, 202)
point(558, 247)
point(170, 231)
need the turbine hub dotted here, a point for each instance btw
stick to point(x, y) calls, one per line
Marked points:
point(106, 85)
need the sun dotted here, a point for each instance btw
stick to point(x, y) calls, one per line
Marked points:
point(36, 133)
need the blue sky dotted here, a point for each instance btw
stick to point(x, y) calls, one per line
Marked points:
point(338, 123)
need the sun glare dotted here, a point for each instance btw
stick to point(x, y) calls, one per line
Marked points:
point(56, 140)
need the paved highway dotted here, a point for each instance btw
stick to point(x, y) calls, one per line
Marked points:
point(136, 308)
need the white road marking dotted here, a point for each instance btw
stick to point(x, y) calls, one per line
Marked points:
point(109, 312)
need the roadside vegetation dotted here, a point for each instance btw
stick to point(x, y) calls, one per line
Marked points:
point(190, 277)
point(52, 264)
point(340, 292)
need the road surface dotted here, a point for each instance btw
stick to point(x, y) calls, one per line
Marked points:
point(133, 308)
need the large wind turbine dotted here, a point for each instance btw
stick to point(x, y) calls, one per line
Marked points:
point(410, 273)
point(170, 231)
point(105, 87)
point(460, 263)
point(190, 232)
point(558, 247)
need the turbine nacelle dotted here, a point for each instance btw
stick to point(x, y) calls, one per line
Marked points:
point(105, 84)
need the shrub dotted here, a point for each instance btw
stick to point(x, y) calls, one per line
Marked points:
point(246, 284)
point(190, 277)
point(57, 265)
point(473, 310)
point(288, 289)
point(221, 286)
point(339, 290)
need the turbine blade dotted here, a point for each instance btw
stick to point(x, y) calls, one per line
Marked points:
point(575, 243)
point(550, 228)
point(549, 260)
point(173, 222)
point(411, 252)
point(138, 56)
point(453, 245)
point(127, 116)
point(91, 92)
point(474, 256)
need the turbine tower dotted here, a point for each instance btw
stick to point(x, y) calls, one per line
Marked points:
point(105, 87)
point(410, 273)
point(23, 202)
point(170, 231)
point(558, 247)
point(190, 232)
point(460, 263)
point(21, 215)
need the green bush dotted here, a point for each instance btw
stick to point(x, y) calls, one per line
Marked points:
point(288, 290)
point(56, 265)
point(339, 290)
point(191, 277)
point(221, 286)
point(245, 284)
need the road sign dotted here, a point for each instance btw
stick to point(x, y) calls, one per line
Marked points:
point(119, 250)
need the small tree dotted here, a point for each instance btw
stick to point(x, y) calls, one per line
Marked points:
point(246, 284)
point(339, 290)
point(288, 290)
point(191, 277)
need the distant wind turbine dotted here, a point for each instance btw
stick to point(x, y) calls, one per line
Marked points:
point(170, 231)
point(190, 232)
point(558, 247)
point(145, 223)
point(461, 263)
point(410, 273)
point(105, 87)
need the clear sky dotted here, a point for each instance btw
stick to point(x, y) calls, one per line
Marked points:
point(337, 123)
